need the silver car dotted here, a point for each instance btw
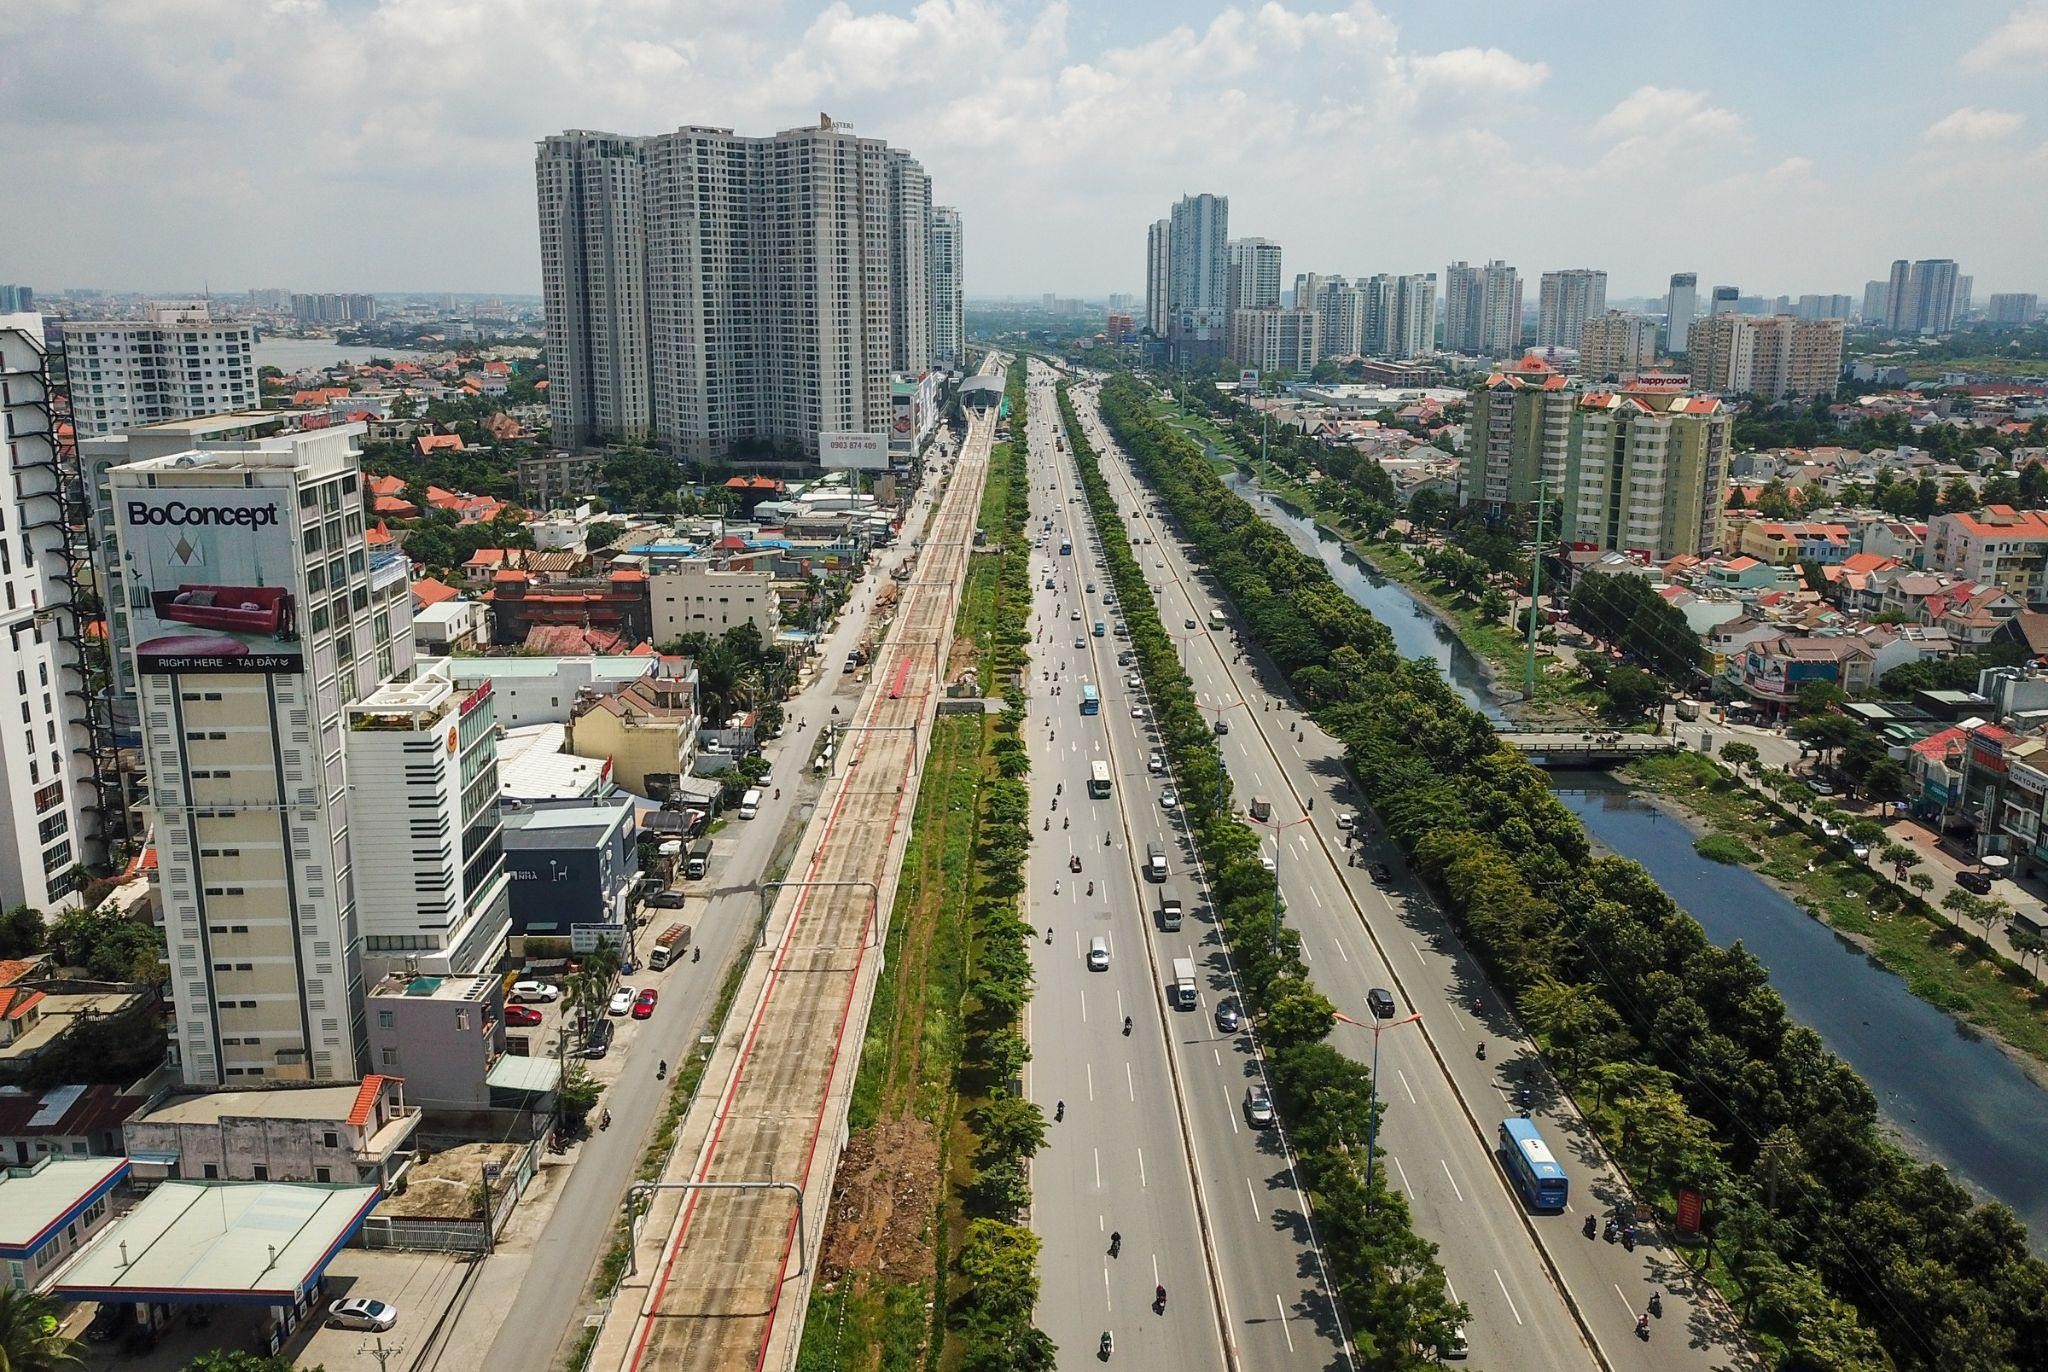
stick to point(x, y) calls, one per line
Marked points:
point(1258, 1107)
point(362, 1313)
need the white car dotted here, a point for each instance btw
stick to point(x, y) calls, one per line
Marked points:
point(622, 1001)
point(546, 993)
point(1266, 861)
point(1137, 712)
point(1346, 820)
point(1168, 799)
point(362, 1313)
point(1134, 681)
point(1156, 764)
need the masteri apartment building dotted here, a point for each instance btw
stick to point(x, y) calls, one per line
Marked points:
point(250, 608)
point(712, 292)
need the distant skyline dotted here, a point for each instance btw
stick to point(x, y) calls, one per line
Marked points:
point(386, 146)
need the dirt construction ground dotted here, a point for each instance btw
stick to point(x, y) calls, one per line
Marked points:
point(884, 1202)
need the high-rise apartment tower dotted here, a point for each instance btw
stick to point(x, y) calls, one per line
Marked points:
point(948, 288)
point(1567, 300)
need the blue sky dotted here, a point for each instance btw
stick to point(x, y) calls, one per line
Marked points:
point(387, 144)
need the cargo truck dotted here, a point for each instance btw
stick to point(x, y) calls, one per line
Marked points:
point(1155, 861)
point(699, 861)
point(1169, 911)
point(1183, 983)
point(669, 947)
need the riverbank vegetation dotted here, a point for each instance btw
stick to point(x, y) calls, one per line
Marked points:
point(1386, 1275)
point(1942, 959)
point(1838, 1249)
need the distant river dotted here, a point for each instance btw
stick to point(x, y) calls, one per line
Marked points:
point(298, 354)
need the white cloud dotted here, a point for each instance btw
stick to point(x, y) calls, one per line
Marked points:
point(1660, 113)
point(388, 144)
point(1972, 125)
point(1479, 71)
point(2021, 43)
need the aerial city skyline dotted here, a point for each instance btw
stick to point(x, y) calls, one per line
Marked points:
point(558, 560)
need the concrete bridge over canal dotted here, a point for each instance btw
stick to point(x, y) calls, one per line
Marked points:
point(1567, 748)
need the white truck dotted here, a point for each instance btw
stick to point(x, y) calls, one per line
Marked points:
point(1183, 983)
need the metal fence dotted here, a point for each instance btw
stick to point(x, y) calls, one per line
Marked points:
point(442, 1234)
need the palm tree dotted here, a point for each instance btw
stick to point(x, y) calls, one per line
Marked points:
point(29, 1337)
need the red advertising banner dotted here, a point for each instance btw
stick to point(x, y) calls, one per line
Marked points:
point(1690, 1207)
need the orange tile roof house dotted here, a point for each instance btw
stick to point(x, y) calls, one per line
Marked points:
point(429, 444)
point(1995, 546)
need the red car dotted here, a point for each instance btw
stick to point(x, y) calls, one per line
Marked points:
point(643, 1006)
point(522, 1015)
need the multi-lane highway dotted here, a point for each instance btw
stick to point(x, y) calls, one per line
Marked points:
point(722, 1272)
point(1155, 1143)
point(1537, 1289)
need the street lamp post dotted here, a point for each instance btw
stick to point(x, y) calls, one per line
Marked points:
point(1372, 1104)
point(1278, 829)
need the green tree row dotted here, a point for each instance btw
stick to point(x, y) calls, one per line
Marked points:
point(994, 1279)
point(1844, 1252)
point(1386, 1275)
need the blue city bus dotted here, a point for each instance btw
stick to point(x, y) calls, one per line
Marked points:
point(1533, 1167)
point(1091, 699)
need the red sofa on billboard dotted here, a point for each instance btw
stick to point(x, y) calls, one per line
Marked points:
point(248, 609)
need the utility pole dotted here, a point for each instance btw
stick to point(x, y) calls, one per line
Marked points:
point(1535, 590)
point(382, 1354)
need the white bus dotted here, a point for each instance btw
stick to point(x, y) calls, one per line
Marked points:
point(1098, 779)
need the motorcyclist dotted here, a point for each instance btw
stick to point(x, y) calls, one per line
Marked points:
point(1127, 1024)
point(1643, 1327)
point(1116, 1242)
point(1059, 1112)
point(1482, 1050)
point(1591, 1225)
point(1657, 1304)
point(1159, 1296)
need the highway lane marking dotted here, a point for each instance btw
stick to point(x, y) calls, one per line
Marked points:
point(1512, 1310)
point(1452, 1180)
point(1409, 1187)
point(1283, 1320)
point(1253, 1197)
point(1141, 1169)
point(1096, 1153)
point(1418, 954)
point(1130, 1086)
point(1090, 1068)
point(1406, 1087)
point(1229, 1110)
point(1624, 1301)
point(1108, 1301)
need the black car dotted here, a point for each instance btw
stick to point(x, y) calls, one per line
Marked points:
point(1382, 874)
point(600, 1041)
point(1979, 882)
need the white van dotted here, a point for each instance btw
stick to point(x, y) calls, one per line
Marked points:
point(1098, 954)
point(750, 804)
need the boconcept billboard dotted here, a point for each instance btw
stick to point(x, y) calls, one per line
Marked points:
point(211, 580)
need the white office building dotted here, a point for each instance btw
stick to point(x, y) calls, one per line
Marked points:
point(1681, 307)
point(1482, 309)
point(706, 290)
point(697, 596)
point(423, 796)
point(48, 821)
point(948, 288)
point(1198, 276)
point(249, 597)
point(1566, 301)
point(175, 363)
point(1158, 276)
point(1274, 341)
point(1254, 275)
point(1400, 315)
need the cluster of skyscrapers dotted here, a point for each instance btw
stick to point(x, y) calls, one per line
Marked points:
point(718, 294)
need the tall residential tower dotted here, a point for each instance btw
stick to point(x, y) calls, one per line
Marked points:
point(710, 292)
point(948, 290)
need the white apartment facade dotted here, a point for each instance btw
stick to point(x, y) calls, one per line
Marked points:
point(1159, 276)
point(248, 589)
point(47, 820)
point(1482, 309)
point(1254, 274)
point(175, 363)
point(1615, 344)
point(1565, 301)
point(1276, 342)
point(423, 797)
point(1400, 315)
point(699, 597)
point(707, 290)
point(948, 288)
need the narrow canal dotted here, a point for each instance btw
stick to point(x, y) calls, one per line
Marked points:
point(1953, 1096)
